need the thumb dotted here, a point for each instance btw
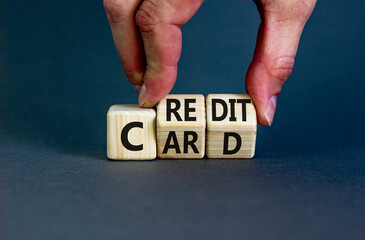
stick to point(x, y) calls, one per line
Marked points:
point(276, 47)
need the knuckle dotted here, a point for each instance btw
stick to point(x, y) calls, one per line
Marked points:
point(296, 10)
point(303, 10)
point(117, 10)
point(147, 16)
point(282, 68)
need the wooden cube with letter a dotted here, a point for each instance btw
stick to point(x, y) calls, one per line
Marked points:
point(131, 133)
point(181, 126)
point(231, 126)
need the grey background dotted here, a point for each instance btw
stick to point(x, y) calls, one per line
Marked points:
point(59, 73)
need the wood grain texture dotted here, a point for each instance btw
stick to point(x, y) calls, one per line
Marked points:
point(228, 126)
point(121, 117)
point(187, 122)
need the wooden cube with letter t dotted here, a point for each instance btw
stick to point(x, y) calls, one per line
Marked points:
point(181, 126)
point(131, 133)
point(231, 126)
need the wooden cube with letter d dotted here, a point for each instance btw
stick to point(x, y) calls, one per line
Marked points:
point(231, 126)
point(181, 126)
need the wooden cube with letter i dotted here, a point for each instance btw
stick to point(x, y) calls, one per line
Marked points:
point(231, 126)
point(181, 126)
point(131, 133)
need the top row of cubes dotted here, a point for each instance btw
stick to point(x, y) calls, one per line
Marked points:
point(224, 125)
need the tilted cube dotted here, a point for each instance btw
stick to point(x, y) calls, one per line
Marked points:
point(131, 133)
point(181, 126)
point(231, 126)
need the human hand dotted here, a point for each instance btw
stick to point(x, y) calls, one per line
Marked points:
point(148, 39)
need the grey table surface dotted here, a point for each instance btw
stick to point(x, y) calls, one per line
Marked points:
point(59, 73)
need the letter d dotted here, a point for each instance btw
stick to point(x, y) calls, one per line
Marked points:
point(226, 143)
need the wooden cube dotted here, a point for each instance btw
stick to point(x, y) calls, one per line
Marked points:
point(181, 126)
point(131, 133)
point(231, 126)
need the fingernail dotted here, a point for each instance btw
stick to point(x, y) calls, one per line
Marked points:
point(142, 94)
point(270, 109)
point(137, 88)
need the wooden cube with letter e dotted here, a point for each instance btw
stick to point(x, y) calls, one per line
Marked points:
point(131, 133)
point(181, 126)
point(231, 126)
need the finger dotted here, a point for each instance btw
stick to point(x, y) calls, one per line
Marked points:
point(159, 23)
point(276, 47)
point(121, 16)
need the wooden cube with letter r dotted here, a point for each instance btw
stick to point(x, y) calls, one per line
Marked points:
point(181, 126)
point(231, 126)
point(131, 133)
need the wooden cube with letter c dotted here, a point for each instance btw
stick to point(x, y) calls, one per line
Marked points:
point(231, 126)
point(181, 126)
point(131, 133)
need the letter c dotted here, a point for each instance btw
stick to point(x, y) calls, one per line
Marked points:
point(124, 136)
